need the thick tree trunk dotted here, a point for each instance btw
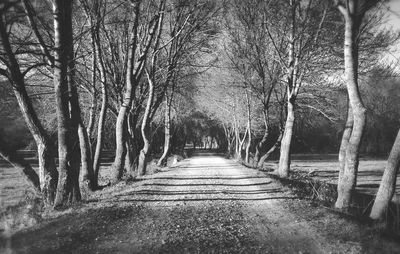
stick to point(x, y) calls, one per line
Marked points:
point(343, 145)
point(120, 149)
point(167, 132)
point(260, 146)
point(86, 158)
point(47, 169)
point(349, 178)
point(263, 141)
point(270, 151)
point(145, 130)
point(388, 183)
point(284, 159)
point(48, 173)
point(68, 181)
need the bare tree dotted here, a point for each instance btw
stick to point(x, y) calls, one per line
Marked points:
point(387, 186)
point(353, 12)
point(47, 167)
point(68, 154)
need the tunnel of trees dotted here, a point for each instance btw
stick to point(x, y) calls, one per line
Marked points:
point(144, 80)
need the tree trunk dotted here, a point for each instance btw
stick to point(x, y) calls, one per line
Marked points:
point(271, 150)
point(343, 146)
point(284, 159)
point(48, 174)
point(86, 158)
point(145, 130)
point(388, 183)
point(102, 115)
point(167, 131)
point(349, 178)
point(121, 124)
point(93, 104)
point(68, 181)
point(292, 89)
point(261, 144)
point(247, 159)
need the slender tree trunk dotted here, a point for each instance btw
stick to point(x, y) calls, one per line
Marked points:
point(102, 115)
point(247, 159)
point(349, 177)
point(133, 74)
point(388, 183)
point(284, 159)
point(145, 130)
point(121, 125)
point(68, 181)
point(263, 141)
point(48, 174)
point(93, 104)
point(271, 150)
point(167, 131)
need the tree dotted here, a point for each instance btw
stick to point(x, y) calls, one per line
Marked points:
point(68, 190)
point(387, 186)
point(134, 70)
point(353, 13)
point(47, 168)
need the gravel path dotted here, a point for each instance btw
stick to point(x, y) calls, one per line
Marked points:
point(205, 205)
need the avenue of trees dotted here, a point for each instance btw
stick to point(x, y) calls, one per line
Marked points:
point(254, 78)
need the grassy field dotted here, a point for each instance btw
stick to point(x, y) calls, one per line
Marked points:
point(325, 168)
point(14, 188)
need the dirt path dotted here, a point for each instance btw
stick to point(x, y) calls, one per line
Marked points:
point(206, 205)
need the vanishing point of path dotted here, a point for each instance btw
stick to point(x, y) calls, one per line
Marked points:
point(207, 204)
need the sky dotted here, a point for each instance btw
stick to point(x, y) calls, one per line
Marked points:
point(394, 13)
point(393, 21)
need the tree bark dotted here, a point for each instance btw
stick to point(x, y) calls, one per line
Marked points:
point(353, 19)
point(387, 186)
point(261, 144)
point(68, 181)
point(271, 150)
point(167, 131)
point(134, 72)
point(344, 144)
point(93, 103)
point(102, 114)
point(86, 157)
point(247, 159)
point(284, 158)
point(292, 89)
point(145, 129)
